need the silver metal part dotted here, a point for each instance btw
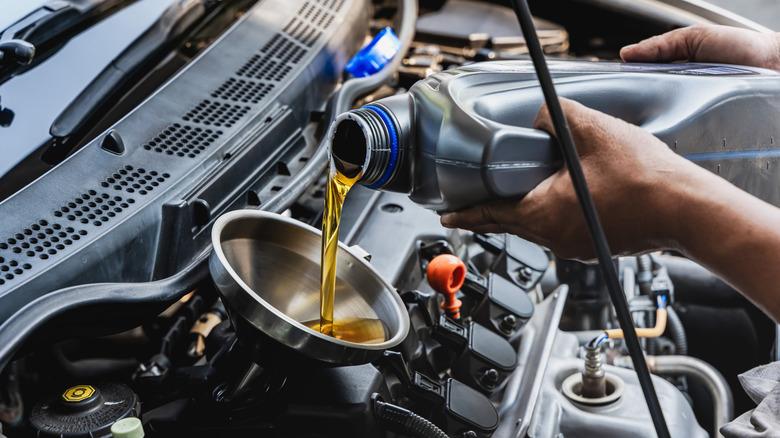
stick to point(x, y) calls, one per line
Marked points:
point(522, 390)
point(267, 269)
point(573, 385)
point(703, 372)
point(627, 417)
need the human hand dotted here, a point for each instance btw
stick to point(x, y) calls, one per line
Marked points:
point(709, 43)
point(629, 173)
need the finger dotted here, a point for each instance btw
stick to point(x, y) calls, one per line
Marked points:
point(470, 218)
point(488, 229)
point(459, 220)
point(677, 45)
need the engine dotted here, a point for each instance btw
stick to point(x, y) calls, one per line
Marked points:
point(123, 332)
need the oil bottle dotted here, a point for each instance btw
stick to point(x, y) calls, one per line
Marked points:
point(464, 136)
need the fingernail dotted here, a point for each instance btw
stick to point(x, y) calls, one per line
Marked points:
point(629, 47)
point(446, 219)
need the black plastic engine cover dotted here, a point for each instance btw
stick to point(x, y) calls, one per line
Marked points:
point(223, 133)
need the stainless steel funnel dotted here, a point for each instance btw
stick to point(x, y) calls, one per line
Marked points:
point(267, 269)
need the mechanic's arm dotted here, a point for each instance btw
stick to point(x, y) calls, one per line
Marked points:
point(648, 198)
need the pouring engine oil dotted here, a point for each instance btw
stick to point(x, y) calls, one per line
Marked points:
point(352, 329)
point(337, 187)
point(464, 136)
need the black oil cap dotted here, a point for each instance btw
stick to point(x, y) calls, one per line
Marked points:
point(84, 411)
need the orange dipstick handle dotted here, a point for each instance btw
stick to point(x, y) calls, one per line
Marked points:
point(446, 274)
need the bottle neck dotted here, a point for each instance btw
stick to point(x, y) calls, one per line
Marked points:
point(364, 144)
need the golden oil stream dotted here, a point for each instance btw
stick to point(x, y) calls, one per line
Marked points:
point(352, 329)
point(337, 188)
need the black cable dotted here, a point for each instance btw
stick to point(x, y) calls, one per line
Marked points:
point(591, 216)
point(677, 330)
point(405, 421)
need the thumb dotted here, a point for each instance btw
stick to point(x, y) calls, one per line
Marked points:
point(579, 118)
point(571, 110)
point(677, 45)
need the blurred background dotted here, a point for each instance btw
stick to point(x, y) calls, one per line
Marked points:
point(765, 12)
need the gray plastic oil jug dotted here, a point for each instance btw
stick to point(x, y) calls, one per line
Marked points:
point(464, 136)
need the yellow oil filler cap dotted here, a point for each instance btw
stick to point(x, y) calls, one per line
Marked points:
point(79, 393)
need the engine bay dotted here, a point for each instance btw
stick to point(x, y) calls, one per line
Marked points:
point(111, 313)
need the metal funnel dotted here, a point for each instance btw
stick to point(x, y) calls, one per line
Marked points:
point(267, 269)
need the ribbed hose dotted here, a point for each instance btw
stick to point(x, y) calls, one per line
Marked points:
point(644, 273)
point(407, 422)
point(677, 331)
point(16, 329)
point(644, 280)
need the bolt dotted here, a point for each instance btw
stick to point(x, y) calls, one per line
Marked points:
point(489, 378)
point(469, 434)
point(508, 323)
point(525, 275)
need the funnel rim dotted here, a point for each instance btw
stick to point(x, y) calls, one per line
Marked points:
point(219, 226)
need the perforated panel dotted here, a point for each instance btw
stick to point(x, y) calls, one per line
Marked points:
point(243, 90)
point(182, 140)
point(313, 17)
point(94, 208)
point(333, 5)
point(302, 32)
point(40, 240)
point(131, 180)
point(274, 60)
point(218, 114)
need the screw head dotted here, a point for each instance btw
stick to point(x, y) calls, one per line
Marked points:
point(489, 378)
point(508, 323)
point(525, 274)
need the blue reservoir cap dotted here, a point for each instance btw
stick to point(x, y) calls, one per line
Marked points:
point(375, 55)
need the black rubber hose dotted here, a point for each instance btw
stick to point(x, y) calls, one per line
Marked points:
point(406, 422)
point(35, 314)
point(676, 329)
point(588, 207)
point(16, 329)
